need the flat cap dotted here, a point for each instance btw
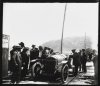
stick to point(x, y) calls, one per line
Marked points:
point(33, 45)
point(73, 49)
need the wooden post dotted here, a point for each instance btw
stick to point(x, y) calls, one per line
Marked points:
point(63, 29)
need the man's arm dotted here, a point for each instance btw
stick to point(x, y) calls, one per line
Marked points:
point(14, 58)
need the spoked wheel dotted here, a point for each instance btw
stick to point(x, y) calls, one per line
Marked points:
point(36, 70)
point(64, 74)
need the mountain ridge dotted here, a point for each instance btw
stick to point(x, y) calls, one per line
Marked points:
point(69, 43)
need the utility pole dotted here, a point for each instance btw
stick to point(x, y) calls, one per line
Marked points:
point(63, 28)
point(85, 41)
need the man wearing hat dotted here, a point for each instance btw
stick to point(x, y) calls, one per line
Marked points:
point(76, 61)
point(25, 62)
point(16, 64)
point(25, 59)
point(33, 53)
point(84, 60)
point(22, 46)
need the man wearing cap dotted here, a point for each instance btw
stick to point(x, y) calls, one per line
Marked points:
point(76, 61)
point(25, 62)
point(33, 53)
point(84, 60)
point(16, 64)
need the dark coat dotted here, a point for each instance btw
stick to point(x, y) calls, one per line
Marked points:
point(11, 60)
point(25, 58)
point(25, 62)
point(16, 60)
point(34, 54)
point(80, 56)
point(43, 54)
point(76, 59)
point(84, 58)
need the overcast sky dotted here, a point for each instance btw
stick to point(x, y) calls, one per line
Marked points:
point(36, 23)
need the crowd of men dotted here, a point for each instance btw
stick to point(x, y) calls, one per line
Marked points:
point(21, 57)
point(79, 61)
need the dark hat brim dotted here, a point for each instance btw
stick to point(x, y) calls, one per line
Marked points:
point(21, 43)
point(33, 45)
point(17, 47)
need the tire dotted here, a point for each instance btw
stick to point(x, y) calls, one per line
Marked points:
point(64, 73)
point(36, 70)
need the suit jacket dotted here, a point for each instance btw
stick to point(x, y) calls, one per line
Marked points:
point(16, 59)
point(76, 59)
point(84, 58)
point(25, 58)
point(33, 54)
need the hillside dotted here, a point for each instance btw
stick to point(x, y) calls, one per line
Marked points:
point(69, 43)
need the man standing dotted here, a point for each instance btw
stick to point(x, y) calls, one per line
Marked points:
point(80, 56)
point(40, 51)
point(36, 52)
point(95, 62)
point(84, 60)
point(33, 53)
point(16, 64)
point(22, 46)
point(25, 61)
point(76, 61)
point(11, 60)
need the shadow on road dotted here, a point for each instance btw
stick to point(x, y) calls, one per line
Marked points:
point(89, 79)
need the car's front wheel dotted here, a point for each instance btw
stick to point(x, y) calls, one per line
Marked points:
point(64, 73)
point(36, 70)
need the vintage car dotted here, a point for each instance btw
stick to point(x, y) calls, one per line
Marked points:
point(55, 66)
